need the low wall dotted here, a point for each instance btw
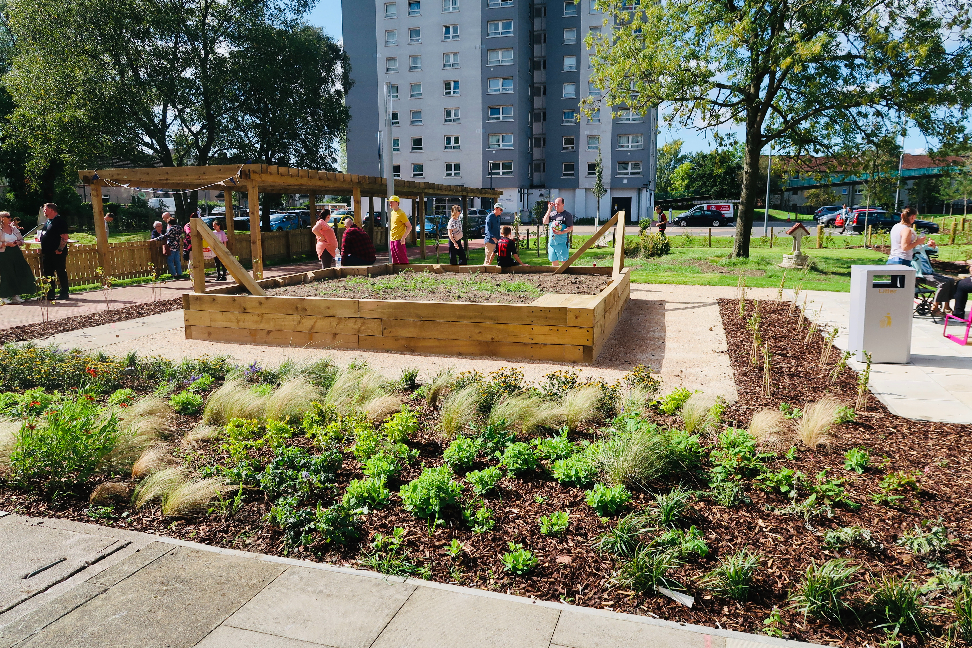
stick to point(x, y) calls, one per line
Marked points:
point(555, 327)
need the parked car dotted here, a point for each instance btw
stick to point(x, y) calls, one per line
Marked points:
point(281, 221)
point(827, 215)
point(435, 226)
point(881, 220)
point(703, 218)
point(827, 209)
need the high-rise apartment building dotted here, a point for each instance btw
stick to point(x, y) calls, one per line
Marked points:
point(486, 93)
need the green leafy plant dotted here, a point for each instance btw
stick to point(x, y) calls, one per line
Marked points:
point(481, 519)
point(383, 466)
point(671, 505)
point(736, 455)
point(495, 436)
point(369, 493)
point(895, 486)
point(555, 448)
point(608, 500)
point(845, 414)
point(790, 412)
point(785, 481)
point(577, 470)
point(646, 570)
point(963, 613)
point(432, 495)
point(928, 540)
point(65, 447)
point(454, 550)
point(896, 606)
point(462, 452)
point(293, 471)
point(306, 526)
point(733, 576)
point(519, 458)
point(857, 459)
point(485, 480)
point(203, 383)
point(121, 397)
point(727, 492)
point(408, 381)
point(684, 543)
point(186, 402)
point(852, 536)
point(670, 404)
point(554, 524)
point(400, 425)
point(773, 624)
point(625, 537)
point(389, 556)
point(821, 593)
point(654, 244)
point(518, 560)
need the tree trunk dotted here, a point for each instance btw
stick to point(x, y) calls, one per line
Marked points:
point(750, 189)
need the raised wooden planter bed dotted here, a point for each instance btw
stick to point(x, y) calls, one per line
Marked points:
point(568, 328)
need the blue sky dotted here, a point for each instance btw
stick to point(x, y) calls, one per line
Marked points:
point(327, 14)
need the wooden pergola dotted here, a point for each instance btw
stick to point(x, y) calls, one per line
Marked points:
point(251, 179)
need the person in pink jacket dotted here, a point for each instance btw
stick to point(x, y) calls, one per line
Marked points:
point(326, 239)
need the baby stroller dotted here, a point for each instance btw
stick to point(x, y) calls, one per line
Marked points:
point(924, 291)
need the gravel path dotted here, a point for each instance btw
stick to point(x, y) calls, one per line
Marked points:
point(675, 330)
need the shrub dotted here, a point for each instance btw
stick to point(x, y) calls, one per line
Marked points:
point(159, 486)
point(305, 526)
point(554, 524)
point(462, 452)
point(408, 381)
point(643, 377)
point(821, 594)
point(495, 437)
point(382, 466)
point(813, 427)
point(485, 480)
point(186, 402)
point(432, 495)
point(234, 399)
point(736, 455)
point(857, 459)
point(292, 400)
point(201, 384)
point(671, 505)
point(401, 425)
point(438, 387)
point(608, 500)
point(246, 435)
point(623, 540)
point(518, 560)
point(192, 497)
point(366, 492)
point(654, 244)
point(896, 606)
point(671, 403)
point(519, 458)
point(293, 471)
point(64, 448)
point(580, 406)
point(733, 576)
point(786, 482)
point(577, 470)
point(647, 570)
point(700, 412)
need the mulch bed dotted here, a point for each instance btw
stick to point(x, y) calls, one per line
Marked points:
point(26, 332)
point(572, 571)
point(478, 287)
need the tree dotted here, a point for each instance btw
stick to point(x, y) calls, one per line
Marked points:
point(159, 81)
point(669, 158)
point(821, 196)
point(714, 173)
point(598, 190)
point(804, 76)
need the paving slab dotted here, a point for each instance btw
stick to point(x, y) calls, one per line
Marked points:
point(326, 607)
point(172, 603)
point(228, 637)
point(579, 629)
point(439, 618)
point(30, 624)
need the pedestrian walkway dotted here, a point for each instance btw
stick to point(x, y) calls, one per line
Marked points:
point(98, 587)
point(935, 386)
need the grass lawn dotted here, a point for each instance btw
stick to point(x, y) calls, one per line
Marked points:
point(84, 238)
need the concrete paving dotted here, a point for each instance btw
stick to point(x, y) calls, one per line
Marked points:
point(935, 386)
point(167, 593)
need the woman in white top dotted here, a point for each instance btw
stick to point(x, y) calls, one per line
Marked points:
point(904, 240)
point(16, 276)
point(457, 253)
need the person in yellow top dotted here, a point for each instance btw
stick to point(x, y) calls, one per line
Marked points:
point(400, 227)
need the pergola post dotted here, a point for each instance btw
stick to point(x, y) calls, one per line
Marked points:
point(356, 200)
point(413, 235)
point(101, 233)
point(198, 271)
point(312, 207)
point(371, 218)
point(256, 242)
point(230, 226)
point(421, 220)
point(465, 224)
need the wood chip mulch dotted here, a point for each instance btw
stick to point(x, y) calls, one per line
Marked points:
point(26, 332)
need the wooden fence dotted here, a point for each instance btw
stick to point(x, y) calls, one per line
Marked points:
point(287, 245)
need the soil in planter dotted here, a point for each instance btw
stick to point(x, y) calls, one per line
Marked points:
point(478, 287)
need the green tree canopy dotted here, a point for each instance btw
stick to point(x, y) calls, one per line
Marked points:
point(812, 77)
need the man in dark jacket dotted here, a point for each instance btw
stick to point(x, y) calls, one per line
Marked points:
point(54, 250)
point(357, 248)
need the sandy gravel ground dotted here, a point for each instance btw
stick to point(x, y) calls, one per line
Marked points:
point(676, 330)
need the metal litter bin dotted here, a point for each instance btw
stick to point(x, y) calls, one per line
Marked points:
point(882, 300)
